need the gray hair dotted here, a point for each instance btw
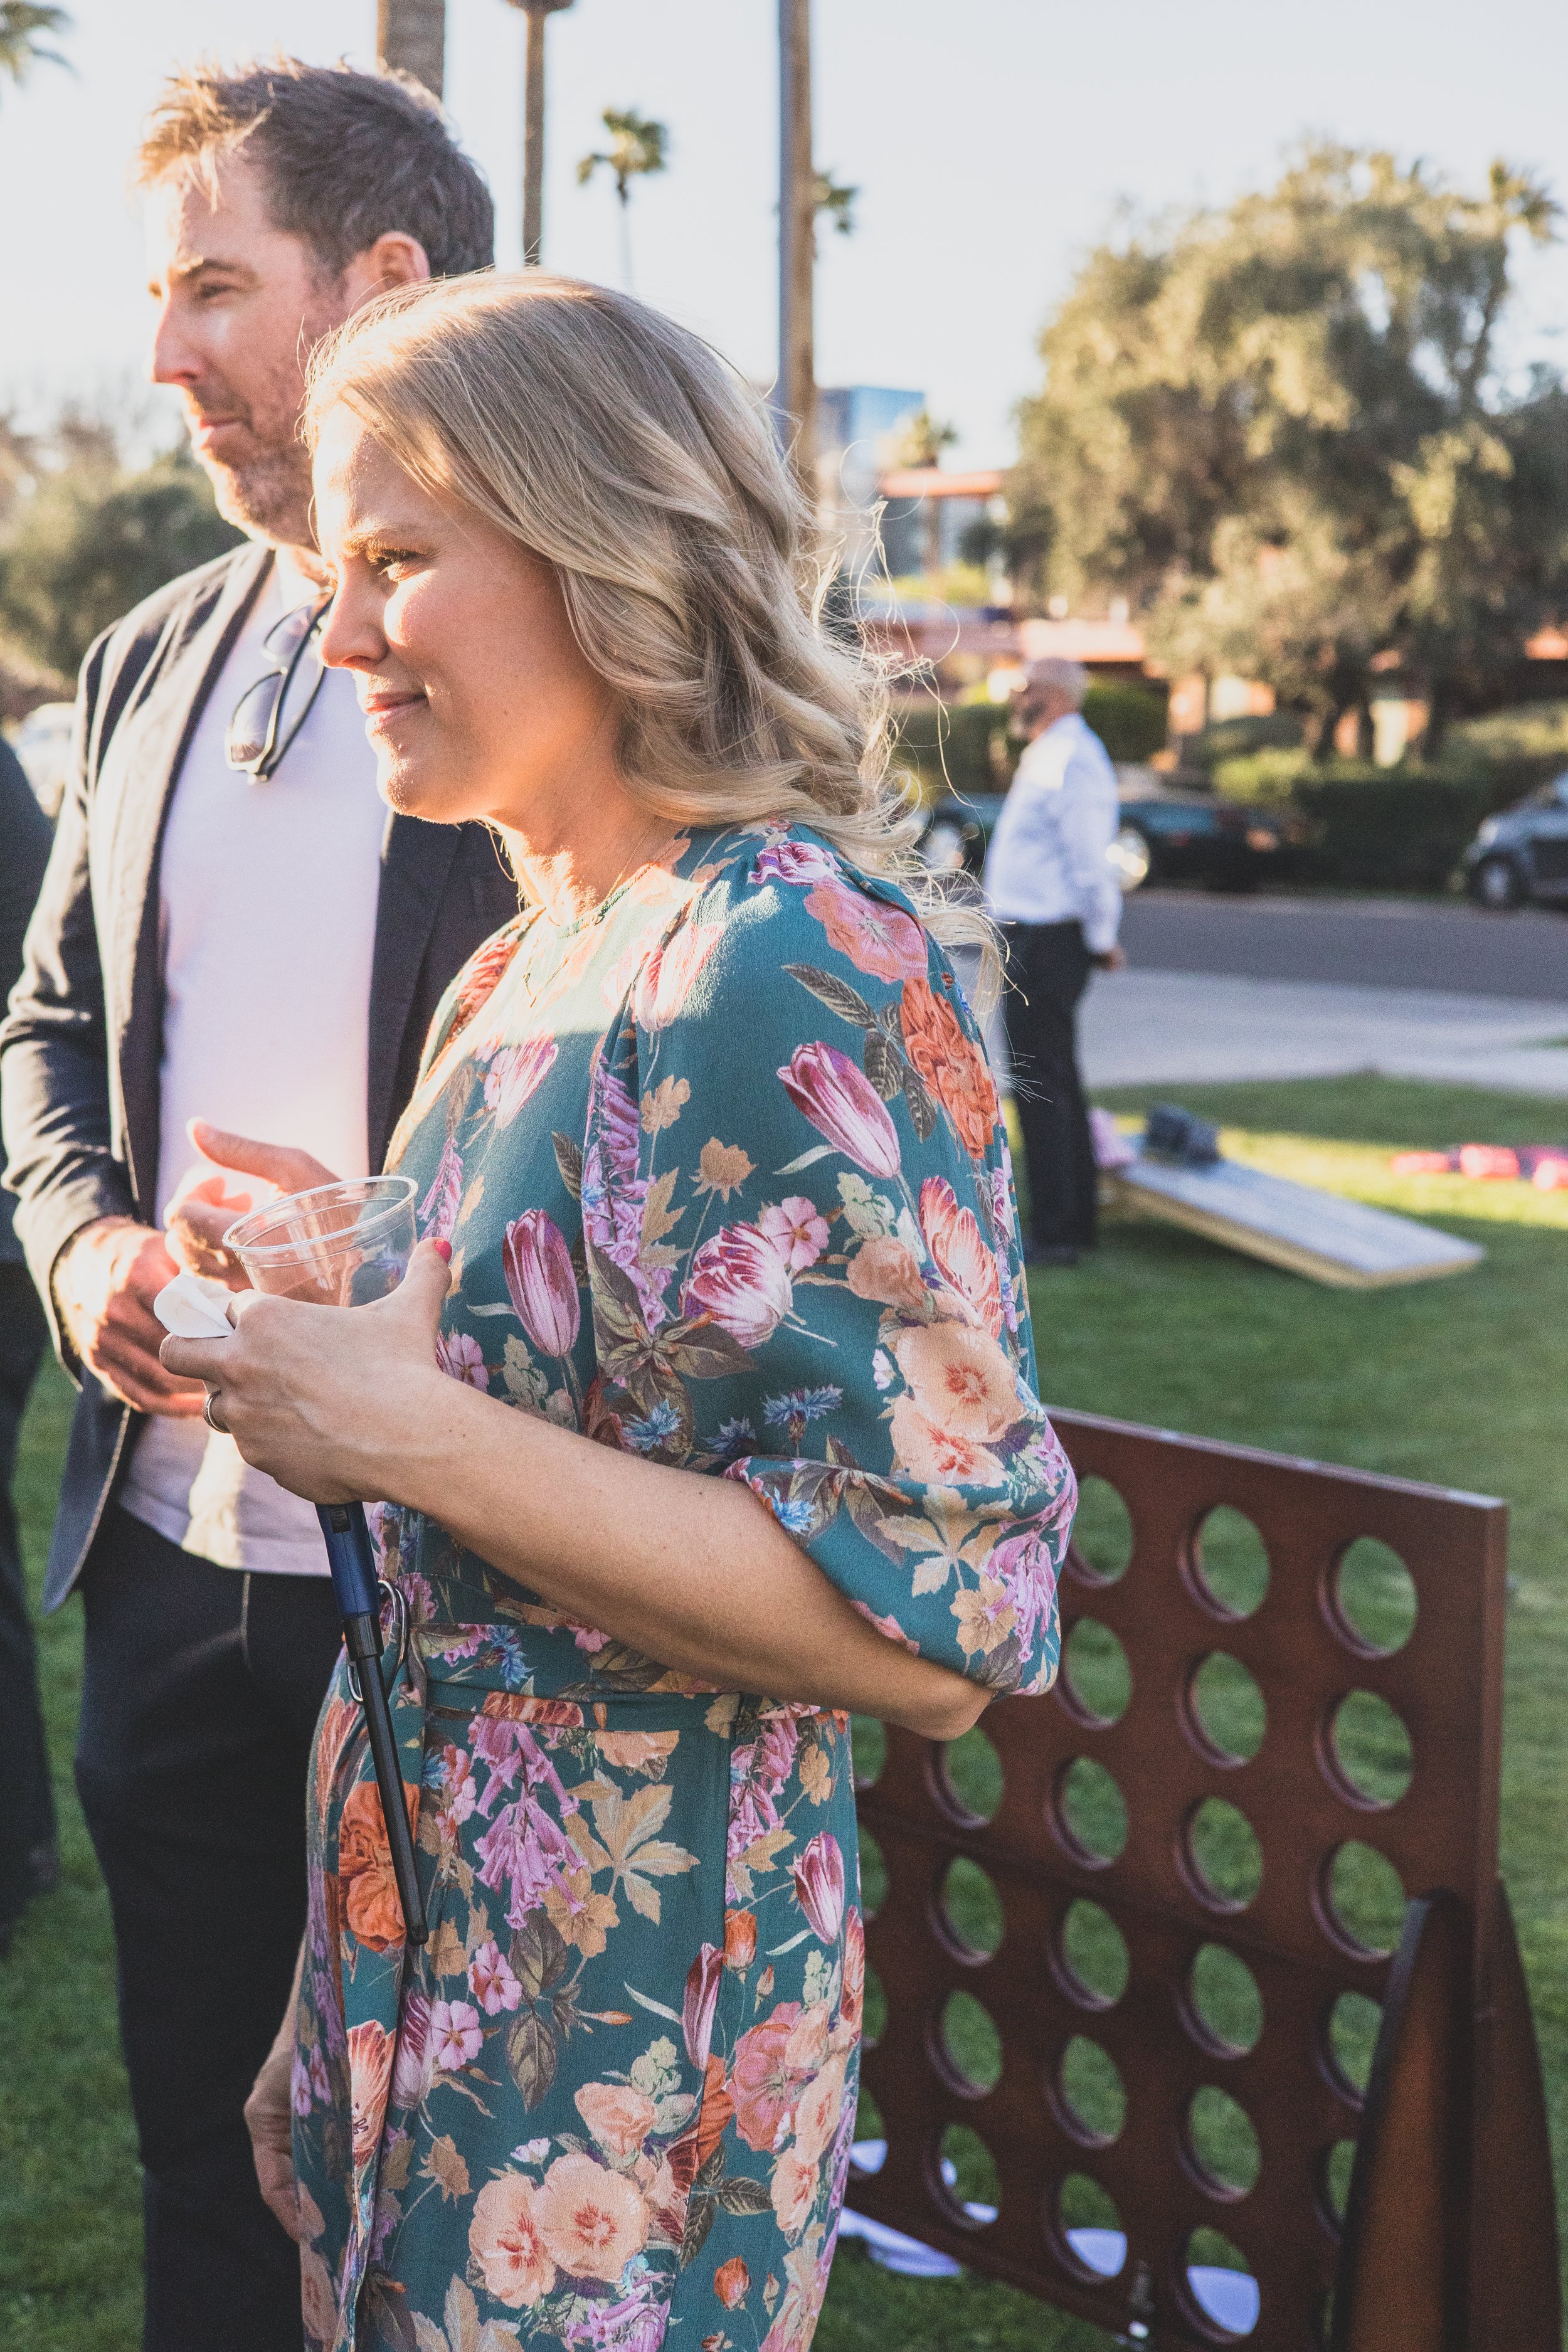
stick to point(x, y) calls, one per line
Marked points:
point(1055, 676)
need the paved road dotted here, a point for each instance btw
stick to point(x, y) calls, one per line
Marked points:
point(1360, 942)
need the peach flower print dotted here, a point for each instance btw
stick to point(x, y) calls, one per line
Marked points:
point(816, 2116)
point(955, 1240)
point(740, 1938)
point(364, 1866)
point(371, 2049)
point(888, 1273)
point(934, 1456)
point(638, 1751)
point(876, 939)
point(619, 2116)
point(593, 2220)
point(793, 2186)
point(505, 2239)
point(961, 1380)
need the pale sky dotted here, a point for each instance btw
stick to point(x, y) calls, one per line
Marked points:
point(991, 141)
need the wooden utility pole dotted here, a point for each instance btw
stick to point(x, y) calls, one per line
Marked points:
point(794, 398)
point(536, 12)
point(411, 38)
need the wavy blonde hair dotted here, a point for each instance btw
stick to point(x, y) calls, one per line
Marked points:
point(621, 449)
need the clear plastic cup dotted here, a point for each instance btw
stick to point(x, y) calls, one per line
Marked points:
point(341, 1244)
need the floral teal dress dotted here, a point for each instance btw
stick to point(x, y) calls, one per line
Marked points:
point(725, 1183)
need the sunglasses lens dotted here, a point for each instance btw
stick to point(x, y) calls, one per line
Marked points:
point(285, 637)
point(297, 696)
point(247, 737)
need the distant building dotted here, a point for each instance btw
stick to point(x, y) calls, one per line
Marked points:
point(912, 533)
point(859, 428)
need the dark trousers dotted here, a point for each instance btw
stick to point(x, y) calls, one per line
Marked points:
point(27, 1806)
point(200, 1691)
point(1047, 971)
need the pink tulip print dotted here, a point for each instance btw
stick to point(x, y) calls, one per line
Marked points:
point(843, 1105)
point(739, 1281)
point(701, 2002)
point(819, 1884)
point(541, 1282)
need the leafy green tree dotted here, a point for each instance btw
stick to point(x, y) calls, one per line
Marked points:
point(1283, 431)
point(637, 148)
point(88, 540)
point(21, 24)
point(832, 201)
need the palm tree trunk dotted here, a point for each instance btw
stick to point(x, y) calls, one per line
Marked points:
point(411, 38)
point(626, 196)
point(533, 141)
point(794, 399)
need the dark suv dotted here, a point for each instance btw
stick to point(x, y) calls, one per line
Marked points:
point(1522, 852)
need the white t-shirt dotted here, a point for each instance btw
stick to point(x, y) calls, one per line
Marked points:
point(1049, 860)
point(266, 926)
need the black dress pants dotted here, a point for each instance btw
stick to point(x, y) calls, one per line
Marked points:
point(1047, 971)
point(200, 1693)
point(27, 1805)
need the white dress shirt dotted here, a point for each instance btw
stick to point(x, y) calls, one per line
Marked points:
point(1049, 858)
point(267, 895)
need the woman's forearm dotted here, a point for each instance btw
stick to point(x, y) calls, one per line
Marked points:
point(694, 1572)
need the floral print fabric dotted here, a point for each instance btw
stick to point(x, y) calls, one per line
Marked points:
point(726, 1185)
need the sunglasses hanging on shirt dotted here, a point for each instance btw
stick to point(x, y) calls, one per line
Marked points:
point(270, 714)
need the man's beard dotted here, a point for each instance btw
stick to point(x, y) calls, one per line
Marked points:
point(268, 497)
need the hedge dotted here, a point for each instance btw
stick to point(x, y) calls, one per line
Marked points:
point(964, 746)
point(1364, 827)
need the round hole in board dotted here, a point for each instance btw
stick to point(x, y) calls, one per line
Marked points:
point(1350, 2038)
point(1095, 1680)
point(868, 1747)
point(1372, 1597)
point(1101, 1533)
point(973, 1919)
point(1091, 1952)
point(1222, 2143)
point(1230, 1563)
point(1089, 1814)
point(1370, 1753)
point(1224, 1859)
point(967, 2183)
point(1334, 2168)
point(1090, 2097)
point(873, 1874)
point(1224, 2007)
point(1225, 1709)
point(967, 1780)
point(1363, 1899)
point(1222, 2290)
point(971, 2047)
point(1086, 2229)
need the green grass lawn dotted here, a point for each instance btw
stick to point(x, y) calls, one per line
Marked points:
point(1462, 1381)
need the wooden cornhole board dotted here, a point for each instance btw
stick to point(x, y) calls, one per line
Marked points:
point(1293, 1225)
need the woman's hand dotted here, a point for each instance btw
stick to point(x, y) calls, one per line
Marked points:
point(331, 1401)
point(200, 1214)
point(269, 2121)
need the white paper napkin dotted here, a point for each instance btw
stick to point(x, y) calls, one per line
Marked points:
point(194, 1307)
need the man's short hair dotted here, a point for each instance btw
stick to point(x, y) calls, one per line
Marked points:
point(1057, 676)
point(345, 157)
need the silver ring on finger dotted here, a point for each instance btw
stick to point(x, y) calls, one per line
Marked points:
point(207, 1415)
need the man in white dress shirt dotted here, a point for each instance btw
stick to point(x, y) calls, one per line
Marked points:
point(1050, 885)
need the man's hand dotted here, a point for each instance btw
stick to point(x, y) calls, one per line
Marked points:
point(269, 2121)
point(1110, 958)
point(204, 1208)
point(105, 1281)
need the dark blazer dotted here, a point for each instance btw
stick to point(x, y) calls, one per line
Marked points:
point(24, 854)
point(81, 1051)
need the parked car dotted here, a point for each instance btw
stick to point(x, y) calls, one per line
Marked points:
point(1165, 835)
point(1522, 852)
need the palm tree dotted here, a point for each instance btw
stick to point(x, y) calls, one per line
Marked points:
point(832, 201)
point(411, 38)
point(637, 148)
point(535, 12)
point(21, 22)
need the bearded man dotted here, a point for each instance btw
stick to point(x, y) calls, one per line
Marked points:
point(232, 931)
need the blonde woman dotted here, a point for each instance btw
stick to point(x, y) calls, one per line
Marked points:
point(706, 1412)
